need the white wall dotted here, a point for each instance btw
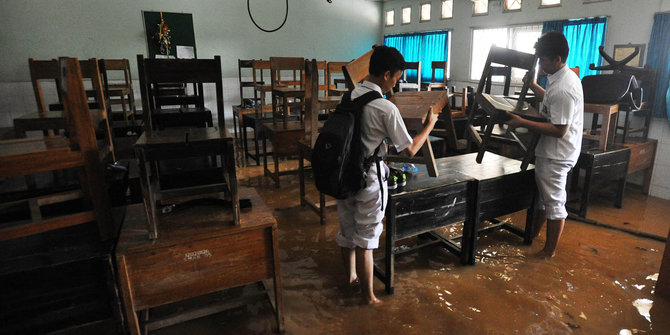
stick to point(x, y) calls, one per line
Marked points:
point(629, 21)
point(114, 29)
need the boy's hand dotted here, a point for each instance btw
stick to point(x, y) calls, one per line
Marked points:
point(514, 120)
point(431, 118)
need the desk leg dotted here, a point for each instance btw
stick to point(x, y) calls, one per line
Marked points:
point(389, 258)
point(605, 130)
point(469, 239)
point(147, 193)
point(124, 283)
point(301, 175)
point(586, 189)
point(529, 232)
point(279, 305)
point(429, 159)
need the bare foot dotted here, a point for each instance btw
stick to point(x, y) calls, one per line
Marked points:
point(372, 301)
point(544, 254)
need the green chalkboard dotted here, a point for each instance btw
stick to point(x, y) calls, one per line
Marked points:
point(181, 31)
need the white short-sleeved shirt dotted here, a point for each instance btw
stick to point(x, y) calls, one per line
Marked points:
point(563, 104)
point(381, 119)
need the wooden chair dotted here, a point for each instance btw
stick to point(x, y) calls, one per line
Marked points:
point(491, 115)
point(51, 122)
point(286, 94)
point(261, 112)
point(181, 146)
point(119, 93)
point(499, 71)
point(336, 78)
point(437, 66)
point(79, 150)
point(415, 66)
point(247, 103)
point(313, 104)
point(161, 85)
point(357, 70)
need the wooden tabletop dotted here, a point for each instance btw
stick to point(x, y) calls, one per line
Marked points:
point(197, 221)
point(181, 135)
point(415, 105)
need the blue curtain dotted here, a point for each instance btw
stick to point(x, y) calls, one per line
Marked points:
point(425, 47)
point(584, 37)
point(658, 59)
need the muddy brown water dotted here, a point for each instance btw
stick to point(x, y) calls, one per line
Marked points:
point(592, 286)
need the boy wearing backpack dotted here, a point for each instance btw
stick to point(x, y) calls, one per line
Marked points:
point(360, 215)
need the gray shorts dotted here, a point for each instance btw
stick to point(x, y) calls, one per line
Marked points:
point(361, 216)
point(551, 177)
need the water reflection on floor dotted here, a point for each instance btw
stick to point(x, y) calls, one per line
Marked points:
point(600, 282)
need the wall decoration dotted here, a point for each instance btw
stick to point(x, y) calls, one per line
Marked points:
point(169, 33)
point(622, 51)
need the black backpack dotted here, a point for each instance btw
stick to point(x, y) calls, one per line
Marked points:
point(338, 161)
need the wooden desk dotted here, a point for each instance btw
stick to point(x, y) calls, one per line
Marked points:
point(465, 191)
point(414, 107)
point(608, 128)
point(642, 157)
point(198, 253)
point(175, 143)
point(600, 165)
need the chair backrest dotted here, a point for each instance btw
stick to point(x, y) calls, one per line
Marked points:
point(575, 70)
point(283, 64)
point(507, 58)
point(322, 66)
point(499, 71)
point(75, 104)
point(336, 74)
point(439, 66)
point(357, 70)
point(42, 71)
point(311, 100)
point(413, 66)
point(260, 76)
point(90, 70)
point(114, 65)
point(154, 72)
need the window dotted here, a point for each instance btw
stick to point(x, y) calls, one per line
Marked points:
point(480, 7)
point(425, 12)
point(584, 37)
point(447, 9)
point(512, 5)
point(425, 47)
point(521, 38)
point(390, 14)
point(406, 15)
point(550, 3)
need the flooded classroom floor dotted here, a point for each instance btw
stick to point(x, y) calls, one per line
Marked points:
point(601, 281)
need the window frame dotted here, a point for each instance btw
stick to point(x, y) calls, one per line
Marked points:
point(507, 10)
point(430, 12)
point(515, 81)
point(402, 15)
point(480, 14)
point(442, 10)
point(559, 4)
point(386, 24)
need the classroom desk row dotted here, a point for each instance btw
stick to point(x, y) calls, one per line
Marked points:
point(464, 191)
